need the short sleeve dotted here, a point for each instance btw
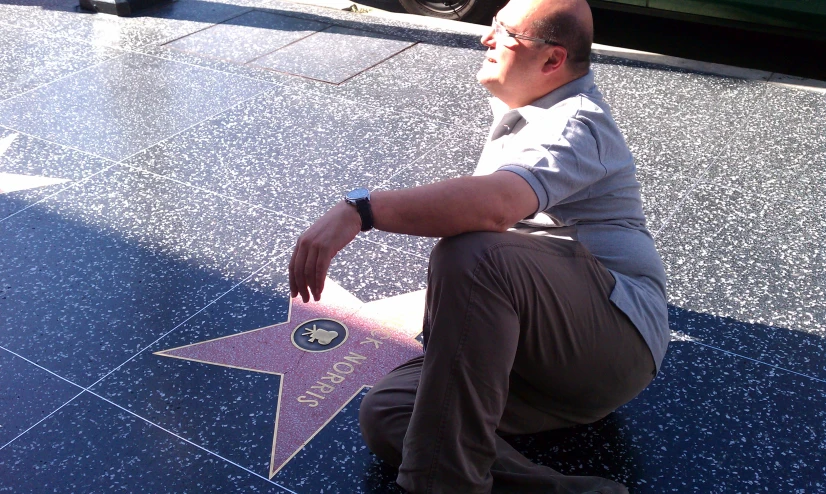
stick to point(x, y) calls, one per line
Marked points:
point(559, 169)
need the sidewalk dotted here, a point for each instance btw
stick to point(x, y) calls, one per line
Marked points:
point(155, 172)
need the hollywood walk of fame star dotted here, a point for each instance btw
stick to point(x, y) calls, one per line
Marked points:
point(317, 382)
point(10, 182)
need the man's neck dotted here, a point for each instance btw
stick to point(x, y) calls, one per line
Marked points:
point(519, 102)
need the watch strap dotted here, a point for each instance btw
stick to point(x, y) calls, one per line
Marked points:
point(366, 213)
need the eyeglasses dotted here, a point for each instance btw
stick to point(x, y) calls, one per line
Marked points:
point(500, 31)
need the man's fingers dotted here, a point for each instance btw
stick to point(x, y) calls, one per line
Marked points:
point(298, 270)
point(309, 274)
point(290, 271)
point(322, 264)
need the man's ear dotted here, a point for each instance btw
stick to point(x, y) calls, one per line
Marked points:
point(556, 58)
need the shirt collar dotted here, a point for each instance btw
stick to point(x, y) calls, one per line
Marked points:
point(534, 110)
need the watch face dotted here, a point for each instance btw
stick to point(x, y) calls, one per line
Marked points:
point(358, 195)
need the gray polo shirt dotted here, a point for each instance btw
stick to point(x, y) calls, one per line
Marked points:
point(568, 148)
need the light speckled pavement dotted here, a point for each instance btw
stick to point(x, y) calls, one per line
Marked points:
point(156, 170)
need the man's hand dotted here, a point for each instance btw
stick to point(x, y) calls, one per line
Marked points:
point(317, 246)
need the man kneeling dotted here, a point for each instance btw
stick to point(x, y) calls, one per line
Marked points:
point(546, 297)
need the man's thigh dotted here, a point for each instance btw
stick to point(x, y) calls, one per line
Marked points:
point(578, 357)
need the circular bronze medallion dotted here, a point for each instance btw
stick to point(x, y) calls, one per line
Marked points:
point(319, 335)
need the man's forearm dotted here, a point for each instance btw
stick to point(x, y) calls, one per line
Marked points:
point(489, 203)
point(443, 209)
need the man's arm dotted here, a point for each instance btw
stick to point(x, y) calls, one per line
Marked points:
point(486, 203)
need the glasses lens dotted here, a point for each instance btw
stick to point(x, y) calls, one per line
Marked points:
point(498, 29)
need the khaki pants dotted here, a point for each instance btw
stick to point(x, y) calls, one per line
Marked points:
point(520, 337)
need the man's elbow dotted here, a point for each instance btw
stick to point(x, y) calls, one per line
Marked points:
point(501, 217)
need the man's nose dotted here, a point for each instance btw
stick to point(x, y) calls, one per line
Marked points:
point(488, 39)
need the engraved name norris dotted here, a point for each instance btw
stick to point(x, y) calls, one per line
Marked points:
point(326, 384)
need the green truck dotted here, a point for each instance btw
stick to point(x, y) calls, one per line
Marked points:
point(805, 18)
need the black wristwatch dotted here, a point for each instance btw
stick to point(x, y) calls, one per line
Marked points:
point(360, 199)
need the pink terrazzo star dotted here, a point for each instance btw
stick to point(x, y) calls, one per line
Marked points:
point(316, 385)
point(10, 182)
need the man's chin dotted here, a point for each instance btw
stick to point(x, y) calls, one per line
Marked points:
point(486, 81)
point(484, 77)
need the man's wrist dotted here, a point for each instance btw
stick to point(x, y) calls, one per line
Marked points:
point(349, 215)
point(359, 199)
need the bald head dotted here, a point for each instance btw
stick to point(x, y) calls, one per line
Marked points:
point(518, 69)
point(569, 23)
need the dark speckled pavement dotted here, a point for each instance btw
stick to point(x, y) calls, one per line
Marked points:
point(156, 170)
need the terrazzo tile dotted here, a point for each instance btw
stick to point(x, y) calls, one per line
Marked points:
point(781, 150)
point(253, 35)
point(105, 118)
point(675, 121)
point(294, 153)
point(92, 446)
point(662, 194)
point(355, 51)
point(709, 423)
point(374, 271)
point(27, 394)
point(456, 156)
point(96, 273)
point(436, 36)
point(429, 80)
point(224, 66)
point(446, 34)
point(228, 411)
point(347, 464)
point(796, 351)
point(30, 59)
point(731, 254)
point(156, 25)
point(56, 166)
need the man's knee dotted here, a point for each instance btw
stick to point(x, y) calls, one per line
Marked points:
point(462, 253)
point(385, 412)
point(372, 414)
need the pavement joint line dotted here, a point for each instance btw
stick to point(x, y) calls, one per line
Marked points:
point(65, 76)
point(170, 39)
point(199, 122)
point(397, 249)
point(173, 434)
point(205, 67)
point(41, 420)
point(66, 146)
point(701, 177)
point(88, 388)
point(64, 189)
point(55, 410)
point(212, 302)
point(62, 36)
point(292, 89)
point(297, 219)
point(410, 165)
point(318, 93)
point(218, 194)
point(43, 368)
point(756, 361)
point(367, 104)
